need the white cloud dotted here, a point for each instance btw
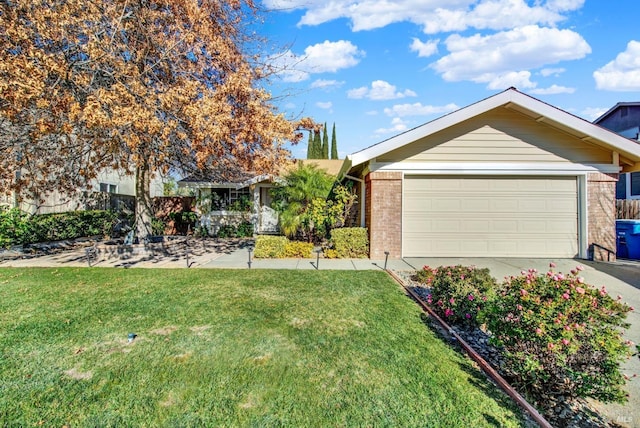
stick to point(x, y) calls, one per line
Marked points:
point(564, 5)
point(546, 72)
point(517, 79)
point(493, 58)
point(417, 109)
point(326, 84)
point(552, 90)
point(623, 73)
point(424, 49)
point(592, 113)
point(380, 90)
point(397, 125)
point(325, 57)
point(433, 16)
point(324, 105)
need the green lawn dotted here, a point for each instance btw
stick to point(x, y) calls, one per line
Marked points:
point(228, 348)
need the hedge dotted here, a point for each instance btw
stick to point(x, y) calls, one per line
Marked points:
point(19, 228)
point(350, 242)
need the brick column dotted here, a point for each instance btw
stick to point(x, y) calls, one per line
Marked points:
point(383, 215)
point(601, 207)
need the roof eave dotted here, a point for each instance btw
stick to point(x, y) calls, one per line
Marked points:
point(578, 126)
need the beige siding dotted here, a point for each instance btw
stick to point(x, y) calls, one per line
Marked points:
point(490, 216)
point(499, 135)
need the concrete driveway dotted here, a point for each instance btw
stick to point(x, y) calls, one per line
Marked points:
point(619, 278)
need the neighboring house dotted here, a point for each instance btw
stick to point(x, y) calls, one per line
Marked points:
point(508, 176)
point(624, 118)
point(106, 182)
point(231, 197)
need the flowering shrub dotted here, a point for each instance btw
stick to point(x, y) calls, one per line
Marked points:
point(561, 337)
point(457, 292)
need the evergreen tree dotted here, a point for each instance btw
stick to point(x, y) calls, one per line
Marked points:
point(334, 144)
point(325, 142)
point(310, 146)
point(317, 146)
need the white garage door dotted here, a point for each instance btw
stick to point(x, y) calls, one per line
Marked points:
point(478, 216)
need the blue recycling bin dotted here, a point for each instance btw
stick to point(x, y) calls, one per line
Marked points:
point(628, 239)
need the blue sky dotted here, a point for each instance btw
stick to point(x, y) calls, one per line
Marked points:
point(377, 68)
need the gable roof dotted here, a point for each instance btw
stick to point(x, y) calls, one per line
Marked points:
point(517, 101)
point(616, 107)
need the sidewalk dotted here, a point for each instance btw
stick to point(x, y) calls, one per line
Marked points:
point(208, 254)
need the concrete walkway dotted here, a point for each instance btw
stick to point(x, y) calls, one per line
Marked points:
point(620, 278)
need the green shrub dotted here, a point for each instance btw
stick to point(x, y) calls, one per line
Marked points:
point(561, 337)
point(458, 293)
point(158, 226)
point(227, 231)
point(17, 227)
point(244, 230)
point(298, 249)
point(270, 247)
point(350, 242)
point(14, 227)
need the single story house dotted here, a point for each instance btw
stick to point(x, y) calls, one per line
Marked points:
point(508, 176)
point(230, 197)
point(624, 118)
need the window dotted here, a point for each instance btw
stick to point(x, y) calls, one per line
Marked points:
point(108, 188)
point(635, 185)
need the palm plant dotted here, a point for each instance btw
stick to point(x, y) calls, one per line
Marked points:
point(293, 197)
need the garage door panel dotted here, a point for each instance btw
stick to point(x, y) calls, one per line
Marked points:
point(490, 216)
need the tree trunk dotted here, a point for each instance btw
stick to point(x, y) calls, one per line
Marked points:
point(144, 209)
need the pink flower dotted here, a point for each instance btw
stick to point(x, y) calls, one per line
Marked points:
point(560, 276)
point(552, 265)
point(580, 267)
point(565, 296)
point(550, 346)
point(452, 301)
point(580, 290)
point(448, 312)
point(523, 292)
point(471, 297)
point(538, 330)
point(580, 280)
point(619, 297)
point(429, 300)
point(565, 342)
point(467, 316)
point(519, 307)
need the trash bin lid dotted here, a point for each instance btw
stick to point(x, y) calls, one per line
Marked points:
point(630, 226)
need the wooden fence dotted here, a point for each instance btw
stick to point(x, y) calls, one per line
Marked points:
point(628, 209)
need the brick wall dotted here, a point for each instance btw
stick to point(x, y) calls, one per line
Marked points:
point(384, 214)
point(601, 207)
